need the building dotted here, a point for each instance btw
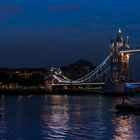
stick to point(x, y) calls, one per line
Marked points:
point(119, 62)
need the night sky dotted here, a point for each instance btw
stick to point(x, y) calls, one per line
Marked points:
point(45, 33)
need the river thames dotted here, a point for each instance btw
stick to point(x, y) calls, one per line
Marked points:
point(56, 117)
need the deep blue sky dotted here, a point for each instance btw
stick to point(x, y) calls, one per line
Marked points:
point(44, 33)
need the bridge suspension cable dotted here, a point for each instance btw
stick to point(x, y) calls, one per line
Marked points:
point(93, 75)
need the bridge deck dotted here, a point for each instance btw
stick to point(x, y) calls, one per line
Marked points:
point(131, 51)
point(76, 84)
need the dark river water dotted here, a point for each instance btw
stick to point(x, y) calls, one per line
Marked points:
point(56, 117)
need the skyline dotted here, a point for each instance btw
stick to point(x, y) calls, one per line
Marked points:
point(55, 33)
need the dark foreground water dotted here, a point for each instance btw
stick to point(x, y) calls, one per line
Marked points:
point(57, 117)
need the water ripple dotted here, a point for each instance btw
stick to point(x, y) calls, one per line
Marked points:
point(65, 118)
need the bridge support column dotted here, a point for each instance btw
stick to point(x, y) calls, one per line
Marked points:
point(119, 65)
point(119, 62)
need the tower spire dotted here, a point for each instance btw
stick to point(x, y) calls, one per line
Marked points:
point(120, 30)
point(119, 39)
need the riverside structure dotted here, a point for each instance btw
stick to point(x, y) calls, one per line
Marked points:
point(111, 76)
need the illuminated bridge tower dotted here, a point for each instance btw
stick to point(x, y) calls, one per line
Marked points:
point(119, 62)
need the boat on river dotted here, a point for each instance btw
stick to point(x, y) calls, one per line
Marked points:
point(126, 107)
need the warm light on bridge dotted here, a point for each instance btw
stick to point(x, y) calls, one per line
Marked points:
point(130, 52)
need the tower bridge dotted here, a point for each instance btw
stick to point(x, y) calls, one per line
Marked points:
point(114, 69)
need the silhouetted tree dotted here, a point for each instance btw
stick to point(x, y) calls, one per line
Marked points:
point(16, 78)
point(36, 79)
point(4, 78)
point(77, 69)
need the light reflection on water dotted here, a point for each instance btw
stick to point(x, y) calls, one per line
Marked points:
point(125, 128)
point(57, 121)
point(52, 117)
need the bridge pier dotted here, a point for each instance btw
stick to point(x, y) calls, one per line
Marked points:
point(119, 66)
point(115, 89)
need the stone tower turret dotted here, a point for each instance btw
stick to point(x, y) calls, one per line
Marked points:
point(119, 62)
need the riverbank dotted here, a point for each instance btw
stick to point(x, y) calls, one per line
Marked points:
point(23, 91)
point(43, 91)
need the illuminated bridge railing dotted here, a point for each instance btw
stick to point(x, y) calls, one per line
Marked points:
point(94, 75)
point(131, 51)
point(132, 85)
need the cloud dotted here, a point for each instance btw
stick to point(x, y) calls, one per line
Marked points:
point(10, 9)
point(65, 7)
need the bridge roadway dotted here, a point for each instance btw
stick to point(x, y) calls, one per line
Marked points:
point(131, 51)
point(76, 84)
point(84, 84)
point(133, 85)
point(109, 88)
